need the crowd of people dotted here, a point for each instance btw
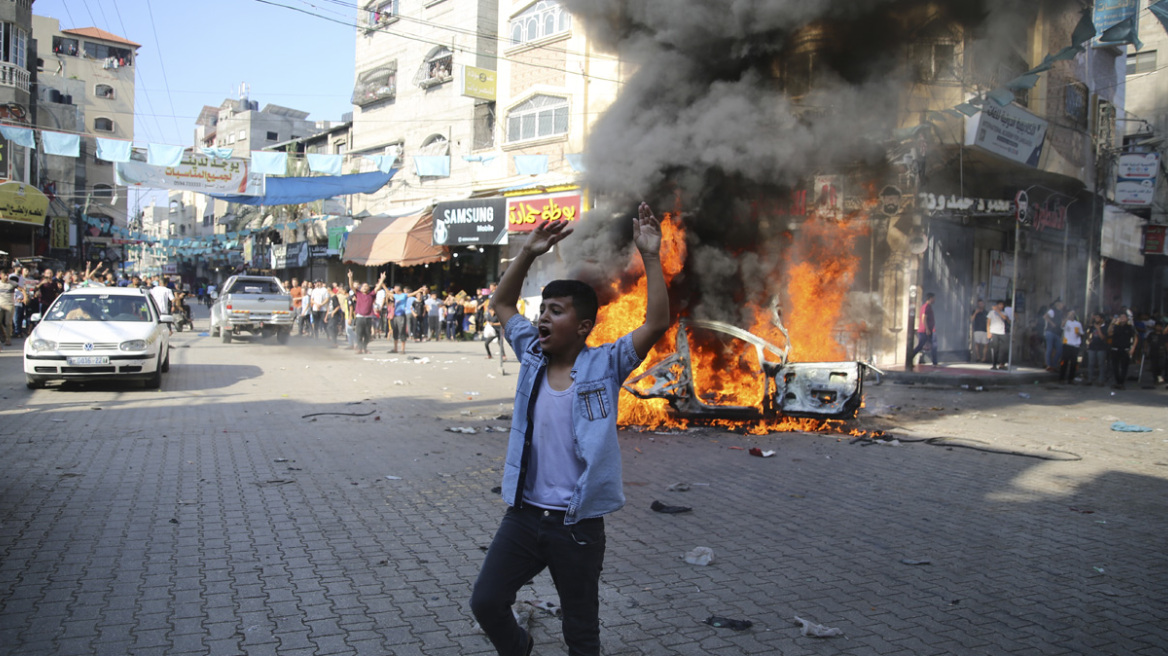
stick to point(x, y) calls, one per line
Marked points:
point(363, 313)
point(1103, 351)
point(24, 292)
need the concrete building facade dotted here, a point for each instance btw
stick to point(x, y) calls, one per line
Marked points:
point(85, 84)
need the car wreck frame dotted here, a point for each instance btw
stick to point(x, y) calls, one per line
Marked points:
point(824, 390)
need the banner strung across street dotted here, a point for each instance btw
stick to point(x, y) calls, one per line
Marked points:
point(196, 173)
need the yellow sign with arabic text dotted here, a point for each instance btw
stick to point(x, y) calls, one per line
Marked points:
point(22, 203)
point(478, 83)
point(525, 212)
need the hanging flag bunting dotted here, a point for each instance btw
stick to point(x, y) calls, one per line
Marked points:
point(486, 159)
point(18, 136)
point(217, 153)
point(531, 164)
point(61, 144)
point(1160, 11)
point(437, 166)
point(163, 155)
point(326, 164)
point(113, 150)
point(269, 162)
point(576, 161)
point(384, 163)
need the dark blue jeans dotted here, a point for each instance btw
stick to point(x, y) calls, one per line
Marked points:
point(528, 540)
point(922, 340)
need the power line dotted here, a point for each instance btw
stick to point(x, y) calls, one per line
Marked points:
point(431, 42)
point(165, 77)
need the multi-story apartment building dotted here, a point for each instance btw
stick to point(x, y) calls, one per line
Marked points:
point(241, 125)
point(18, 231)
point(85, 83)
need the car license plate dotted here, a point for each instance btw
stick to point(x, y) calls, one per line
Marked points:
point(89, 359)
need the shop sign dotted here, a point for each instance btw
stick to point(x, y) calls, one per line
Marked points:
point(1053, 217)
point(1135, 181)
point(938, 203)
point(318, 251)
point(279, 256)
point(524, 213)
point(466, 222)
point(478, 83)
point(1154, 239)
point(22, 203)
point(297, 254)
point(1122, 235)
point(1009, 131)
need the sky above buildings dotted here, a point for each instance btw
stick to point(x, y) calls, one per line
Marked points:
point(197, 53)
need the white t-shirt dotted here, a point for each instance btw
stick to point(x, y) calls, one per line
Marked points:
point(163, 298)
point(379, 300)
point(319, 296)
point(1073, 333)
point(995, 324)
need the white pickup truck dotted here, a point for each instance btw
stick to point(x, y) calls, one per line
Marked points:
point(257, 304)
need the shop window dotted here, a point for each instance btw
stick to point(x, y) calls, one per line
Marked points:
point(65, 46)
point(436, 69)
point(273, 136)
point(543, 19)
point(538, 117)
point(375, 84)
point(103, 191)
point(1141, 62)
point(102, 124)
point(104, 91)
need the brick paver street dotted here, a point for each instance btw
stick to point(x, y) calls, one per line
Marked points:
point(217, 517)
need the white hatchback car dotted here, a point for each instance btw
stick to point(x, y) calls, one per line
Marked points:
point(99, 332)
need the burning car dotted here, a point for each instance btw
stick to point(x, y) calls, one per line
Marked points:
point(819, 390)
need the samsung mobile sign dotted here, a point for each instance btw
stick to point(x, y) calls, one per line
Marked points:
point(467, 222)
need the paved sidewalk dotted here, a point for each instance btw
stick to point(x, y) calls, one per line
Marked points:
point(217, 517)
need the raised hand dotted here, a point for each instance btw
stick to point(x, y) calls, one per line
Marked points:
point(546, 235)
point(647, 231)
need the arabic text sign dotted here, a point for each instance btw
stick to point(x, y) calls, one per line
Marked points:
point(201, 174)
point(1009, 131)
point(524, 213)
point(22, 203)
point(1135, 182)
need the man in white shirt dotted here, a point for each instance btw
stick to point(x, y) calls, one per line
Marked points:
point(382, 327)
point(319, 297)
point(163, 297)
point(996, 322)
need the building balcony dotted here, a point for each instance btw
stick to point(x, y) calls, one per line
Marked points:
point(12, 75)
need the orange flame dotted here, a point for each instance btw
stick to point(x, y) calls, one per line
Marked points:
point(818, 273)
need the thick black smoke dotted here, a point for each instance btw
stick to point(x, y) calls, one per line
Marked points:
point(705, 121)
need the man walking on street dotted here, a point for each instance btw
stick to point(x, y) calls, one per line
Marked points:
point(1124, 341)
point(926, 326)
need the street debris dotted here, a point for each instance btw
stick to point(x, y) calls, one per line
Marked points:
point(911, 561)
point(467, 430)
point(1124, 427)
point(669, 510)
point(679, 487)
point(1079, 510)
point(727, 623)
point(755, 451)
point(393, 478)
point(1023, 395)
point(340, 414)
point(812, 630)
point(700, 556)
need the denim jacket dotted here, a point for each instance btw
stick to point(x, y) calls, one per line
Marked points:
point(598, 375)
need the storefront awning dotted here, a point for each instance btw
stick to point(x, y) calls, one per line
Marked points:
point(404, 241)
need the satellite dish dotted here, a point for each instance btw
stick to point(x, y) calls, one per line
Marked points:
point(917, 244)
